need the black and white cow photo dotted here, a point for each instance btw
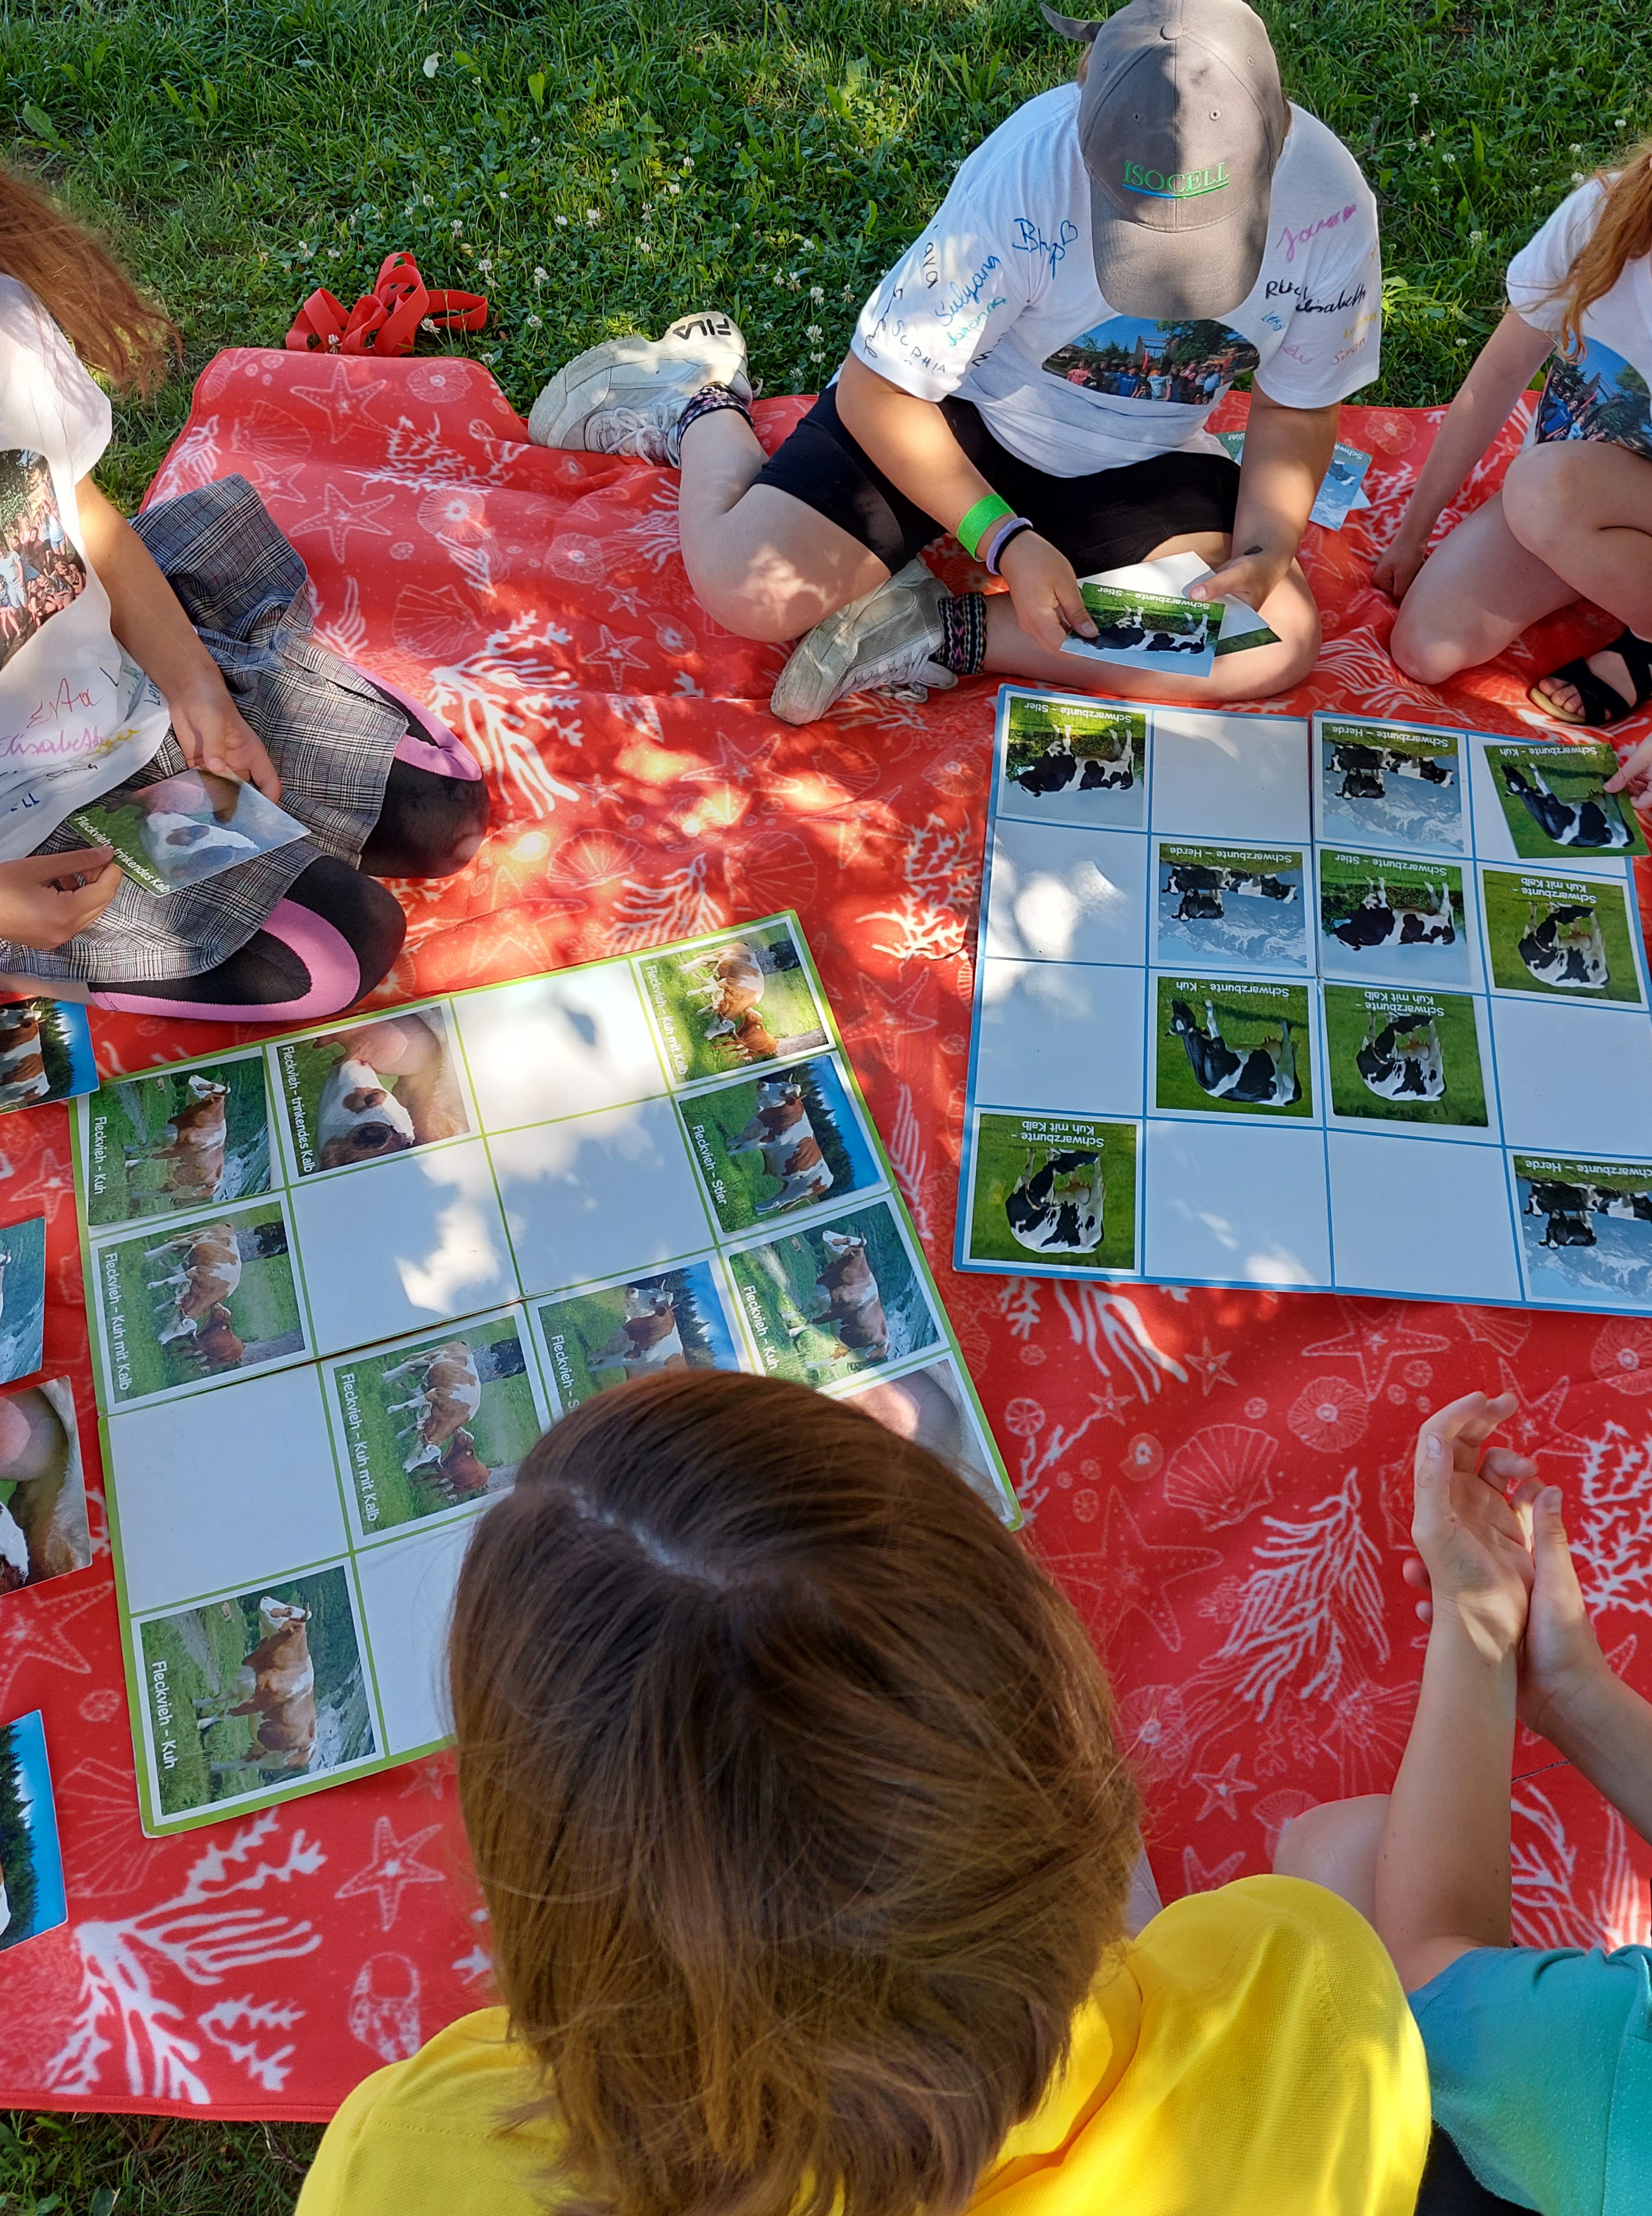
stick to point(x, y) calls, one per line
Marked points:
point(1389, 785)
point(1586, 1229)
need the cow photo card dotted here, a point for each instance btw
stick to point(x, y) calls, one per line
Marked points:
point(183, 829)
point(1389, 785)
point(723, 1004)
point(247, 1690)
point(46, 1053)
point(676, 1319)
point(1052, 1190)
point(22, 1298)
point(1228, 1047)
point(1394, 918)
point(1550, 801)
point(32, 1900)
point(174, 1140)
point(1562, 937)
point(182, 1306)
point(44, 1532)
point(1144, 620)
point(1586, 1230)
point(1242, 907)
point(372, 1089)
point(776, 1146)
point(1341, 489)
point(935, 1404)
point(1064, 758)
point(832, 1299)
point(1396, 1055)
point(435, 1423)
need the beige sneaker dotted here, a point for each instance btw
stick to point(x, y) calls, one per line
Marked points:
point(625, 396)
point(876, 643)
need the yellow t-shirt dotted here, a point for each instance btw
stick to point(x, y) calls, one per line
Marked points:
point(1250, 2053)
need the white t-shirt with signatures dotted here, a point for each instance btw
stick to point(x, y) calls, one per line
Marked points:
point(1606, 393)
point(998, 302)
point(76, 713)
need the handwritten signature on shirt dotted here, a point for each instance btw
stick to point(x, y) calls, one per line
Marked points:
point(960, 295)
point(1030, 239)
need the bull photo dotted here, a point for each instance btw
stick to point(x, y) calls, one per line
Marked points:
point(46, 1053)
point(207, 1300)
point(1400, 1057)
point(22, 1298)
point(672, 1320)
point(1074, 761)
point(153, 1146)
point(1231, 905)
point(828, 1302)
point(1147, 629)
point(1058, 1190)
point(1390, 785)
point(1383, 918)
point(376, 1088)
point(259, 1689)
point(435, 1423)
point(1561, 938)
point(43, 1528)
point(1554, 801)
point(779, 1144)
point(738, 1000)
point(1233, 1049)
point(1586, 1230)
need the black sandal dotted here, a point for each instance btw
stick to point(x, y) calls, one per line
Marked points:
point(1603, 704)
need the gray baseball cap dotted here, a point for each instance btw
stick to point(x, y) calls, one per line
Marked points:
point(1181, 121)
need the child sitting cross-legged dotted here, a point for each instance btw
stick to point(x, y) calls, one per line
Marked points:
point(1540, 2057)
point(793, 1788)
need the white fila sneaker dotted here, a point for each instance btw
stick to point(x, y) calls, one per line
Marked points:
point(625, 396)
point(877, 643)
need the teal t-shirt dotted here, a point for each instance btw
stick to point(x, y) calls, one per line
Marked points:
point(1540, 2063)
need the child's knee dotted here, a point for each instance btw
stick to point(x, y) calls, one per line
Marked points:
point(1422, 653)
point(1335, 1845)
point(1539, 495)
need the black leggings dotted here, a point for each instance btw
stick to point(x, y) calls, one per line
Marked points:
point(337, 931)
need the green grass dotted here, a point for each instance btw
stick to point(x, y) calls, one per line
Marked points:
point(378, 1442)
point(1247, 1016)
point(1573, 774)
point(1516, 899)
point(128, 1118)
point(263, 1306)
point(90, 2165)
point(237, 156)
point(1352, 1014)
point(1007, 1146)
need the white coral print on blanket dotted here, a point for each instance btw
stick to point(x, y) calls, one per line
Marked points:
point(1220, 1479)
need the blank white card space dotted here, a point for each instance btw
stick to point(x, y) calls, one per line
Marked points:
point(1576, 1080)
point(1064, 1037)
point(1428, 1218)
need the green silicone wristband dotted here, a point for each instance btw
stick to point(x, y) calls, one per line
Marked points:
point(981, 518)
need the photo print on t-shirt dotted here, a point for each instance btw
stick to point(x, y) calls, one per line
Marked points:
point(1600, 396)
point(40, 568)
point(1187, 364)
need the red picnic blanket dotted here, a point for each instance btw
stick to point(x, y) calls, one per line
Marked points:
point(1220, 1478)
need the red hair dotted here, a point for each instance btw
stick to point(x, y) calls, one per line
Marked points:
point(88, 295)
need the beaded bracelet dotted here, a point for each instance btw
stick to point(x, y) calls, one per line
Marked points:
point(995, 553)
point(979, 520)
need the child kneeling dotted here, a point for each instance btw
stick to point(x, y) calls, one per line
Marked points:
point(793, 1788)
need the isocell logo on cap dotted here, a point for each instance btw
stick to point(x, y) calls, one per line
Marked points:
point(1181, 185)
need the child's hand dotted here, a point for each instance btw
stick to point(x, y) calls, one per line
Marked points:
point(212, 736)
point(45, 899)
point(1634, 775)
point(1560, 1661)
point(1044, 586)
point(1472, 1535)
point(1399, 564)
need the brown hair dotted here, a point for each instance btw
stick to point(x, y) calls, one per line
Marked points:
point(1622, 234)
point(792, 1789)
point(94, 303)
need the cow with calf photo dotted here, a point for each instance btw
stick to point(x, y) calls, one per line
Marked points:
point(1402, 1060)
point(1056, 1207)
point(1565, 948)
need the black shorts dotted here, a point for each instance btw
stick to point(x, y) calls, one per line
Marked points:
point(1098, 522)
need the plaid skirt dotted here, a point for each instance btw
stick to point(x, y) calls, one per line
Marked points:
point(329, 734)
